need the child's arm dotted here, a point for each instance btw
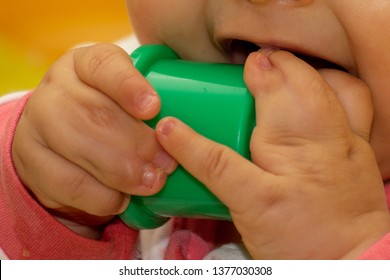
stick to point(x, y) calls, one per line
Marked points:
point(80, 150)
point(313, 189)
point(27, 231)
point(381, 249)
point(80, 146)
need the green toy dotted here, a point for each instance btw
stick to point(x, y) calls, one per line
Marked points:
point(211, 98)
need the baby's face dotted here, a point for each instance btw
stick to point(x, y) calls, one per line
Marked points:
point(352, 35)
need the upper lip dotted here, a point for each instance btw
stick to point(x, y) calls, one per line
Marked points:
point(316, 60)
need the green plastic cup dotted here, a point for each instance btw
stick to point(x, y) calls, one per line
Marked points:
point(212, 99)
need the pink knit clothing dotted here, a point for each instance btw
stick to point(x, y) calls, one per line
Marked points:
point(381, 249)
point(28, 231)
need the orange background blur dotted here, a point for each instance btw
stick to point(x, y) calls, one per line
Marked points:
point(33, 34)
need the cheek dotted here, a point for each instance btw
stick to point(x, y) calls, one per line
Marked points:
point(145, 20)
point(168, 21)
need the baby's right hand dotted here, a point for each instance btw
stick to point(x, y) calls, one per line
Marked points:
point(80, 146)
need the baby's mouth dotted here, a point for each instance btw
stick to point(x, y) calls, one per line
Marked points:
point(237, 52)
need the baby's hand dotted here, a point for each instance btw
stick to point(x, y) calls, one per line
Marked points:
point(313, 188)
point(80, 146)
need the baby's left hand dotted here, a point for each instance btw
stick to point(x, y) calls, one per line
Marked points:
point(313, 189)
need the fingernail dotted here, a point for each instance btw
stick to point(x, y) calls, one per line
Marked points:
point(164, 161)
point(263, 61)
point(263, 57)
point(145, 101)
point(151, 177)
point(268, 50)
point(166, 127)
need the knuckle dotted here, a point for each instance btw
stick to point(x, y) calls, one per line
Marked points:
point(49, 77)
point(120, 173)
point(52, 78)
point(125, 78)
point(103, 115)
point(216, 163)
point(77, 190)
point(55, 73)
point(76, 187)
point(101, 55)
point(112, 204)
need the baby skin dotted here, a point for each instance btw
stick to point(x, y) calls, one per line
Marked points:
point(89, 148)
point(297, 198)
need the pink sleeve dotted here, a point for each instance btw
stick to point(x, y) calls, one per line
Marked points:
point(27, 231)
point(381, 249)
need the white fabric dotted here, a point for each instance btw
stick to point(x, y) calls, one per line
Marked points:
point(12, 96)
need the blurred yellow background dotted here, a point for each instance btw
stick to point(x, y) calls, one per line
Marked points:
point(33, 34)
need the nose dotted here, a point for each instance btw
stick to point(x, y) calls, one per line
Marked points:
point(293, 3)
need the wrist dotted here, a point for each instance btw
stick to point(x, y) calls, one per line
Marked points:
point(91, 232)
point(83, 224)
point(80, 222)
point(369, 243)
